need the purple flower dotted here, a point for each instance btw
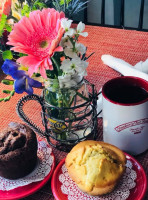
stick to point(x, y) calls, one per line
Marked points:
point(25, 84)
point(22, 83)
point(9, 67)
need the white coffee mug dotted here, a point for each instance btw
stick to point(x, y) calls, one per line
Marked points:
point(125, 114)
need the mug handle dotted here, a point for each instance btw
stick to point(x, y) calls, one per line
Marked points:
point(99, 104)
point(25, 118)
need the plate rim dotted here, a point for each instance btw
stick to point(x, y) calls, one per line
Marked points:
point(53, 180)
point(143, 173)
point(38, 184)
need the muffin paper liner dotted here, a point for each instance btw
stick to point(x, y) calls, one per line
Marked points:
point(42, 169)
point(122, 191)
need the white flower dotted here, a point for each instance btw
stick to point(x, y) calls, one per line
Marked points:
point(66, 24)
point(80, 48)
point(65, 42)
point(67, 66)
point(70, 32)
point(80, 29)
point(74, 66)
point(72, 52)
point(66, 81)
point(80, 66)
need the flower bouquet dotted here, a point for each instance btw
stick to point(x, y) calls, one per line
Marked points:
point(47, 53)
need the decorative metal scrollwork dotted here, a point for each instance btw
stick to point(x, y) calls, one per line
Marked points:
point(76, 123)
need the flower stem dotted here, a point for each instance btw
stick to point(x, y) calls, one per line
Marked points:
point(83, 97)
point(56, 64)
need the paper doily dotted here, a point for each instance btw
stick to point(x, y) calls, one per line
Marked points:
point(122, 191)
point(45, 162)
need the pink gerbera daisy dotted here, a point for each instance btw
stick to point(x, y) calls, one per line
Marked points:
point(38, 36)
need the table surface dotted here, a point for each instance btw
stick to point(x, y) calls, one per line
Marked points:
point(132, 46)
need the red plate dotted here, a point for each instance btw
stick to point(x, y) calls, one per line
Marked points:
point(26, 190)
point(137, 193)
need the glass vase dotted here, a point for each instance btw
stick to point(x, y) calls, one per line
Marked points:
point(69, 113)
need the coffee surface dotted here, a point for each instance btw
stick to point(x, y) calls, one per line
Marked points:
point(127, 94)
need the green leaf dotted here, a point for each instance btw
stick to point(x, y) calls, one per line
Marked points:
point(26, 10)
point(83, 97)
point(7, 98)
point(6, 91)
point(16, 6)
point(12, 92)
point(64, 1)
point(7, 82)
point(8, 28)
point(1, 99)
point(39, 5)
point(2, 23)
point(22, 54)
point(7, 55)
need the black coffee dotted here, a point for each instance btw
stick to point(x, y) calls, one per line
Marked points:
point(127, 94)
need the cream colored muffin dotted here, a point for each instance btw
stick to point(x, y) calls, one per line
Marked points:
point(96, 167)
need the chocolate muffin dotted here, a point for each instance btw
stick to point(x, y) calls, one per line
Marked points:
point(18, 151)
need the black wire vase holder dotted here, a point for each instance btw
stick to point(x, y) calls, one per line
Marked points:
point(65, 132)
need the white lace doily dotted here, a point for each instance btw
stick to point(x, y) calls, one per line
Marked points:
point(43, 168)
point(122, 191)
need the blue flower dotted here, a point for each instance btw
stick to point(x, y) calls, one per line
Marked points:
point(9, 67)
point(23, 83)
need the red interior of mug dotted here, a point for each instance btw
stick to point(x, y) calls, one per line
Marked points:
point(121, 89)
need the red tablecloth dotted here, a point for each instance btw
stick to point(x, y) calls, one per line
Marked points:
point(132, 46)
